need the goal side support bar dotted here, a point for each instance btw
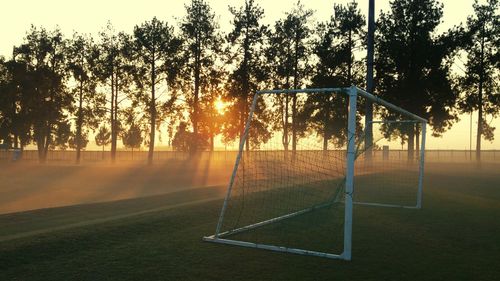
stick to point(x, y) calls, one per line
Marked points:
point(235, 169)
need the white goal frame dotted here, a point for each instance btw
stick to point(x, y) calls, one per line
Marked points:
point(353, 92)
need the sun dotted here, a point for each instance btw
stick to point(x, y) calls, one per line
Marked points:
point(220, 105)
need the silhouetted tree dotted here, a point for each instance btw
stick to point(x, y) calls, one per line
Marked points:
point(184, 140)
point(157, 53)
point(82, 61)
point(114, 71)
point(44, 92)
point(84, 141)
point(246, 53)
point(289, 51)
point(480, 83)
point(8, 99)
point(132, 138)
point(203, 44)
point(103, 138)
point(336, 67)
point(413, 67)
point(15, 85)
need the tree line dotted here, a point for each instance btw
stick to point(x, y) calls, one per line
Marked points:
point(55, 92)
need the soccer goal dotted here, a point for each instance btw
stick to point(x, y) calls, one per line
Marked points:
point(305, 160)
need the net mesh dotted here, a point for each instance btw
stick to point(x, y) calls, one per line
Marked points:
point(291, 194)
point(388, 171)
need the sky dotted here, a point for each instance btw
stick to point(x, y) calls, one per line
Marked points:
point(91, 16)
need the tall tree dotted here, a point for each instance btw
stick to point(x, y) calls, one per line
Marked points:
point(246, 53)
point(210, 117)
point(114, 72)
point(157, 51)
point(480, 83)
point(413, 66)
point(8, 99)
point(336, 67)
point(203, 44)
point(44, 90)
point(82, 60)
point(7, 102)
point(15, 125)
point(289, 52)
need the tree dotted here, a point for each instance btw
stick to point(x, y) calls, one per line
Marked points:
point(73, 141)
point(103, 138)
point(210, 119)
point(15, 125)
point(82, 60)
point(8, 100)
point(335, 67)
point(182, 140)
point(115, 73)
point(203, 44)
point(63, 138)
point(45, 96)
point(132, 138)
point(413, 66)
point(480, 84)
point(246, 53)
point(289, 52)
point(157, 52)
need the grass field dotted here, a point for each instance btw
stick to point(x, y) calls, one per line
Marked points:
point(153, 228)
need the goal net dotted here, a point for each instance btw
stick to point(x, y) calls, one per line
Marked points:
point(305, 159)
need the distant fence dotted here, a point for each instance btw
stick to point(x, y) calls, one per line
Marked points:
point(121, 156)
point(162, 156)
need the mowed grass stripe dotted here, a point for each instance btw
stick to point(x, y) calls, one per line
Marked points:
point(25, 224)
point(104, 220)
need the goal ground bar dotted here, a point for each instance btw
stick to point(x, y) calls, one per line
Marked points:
point(273, 248)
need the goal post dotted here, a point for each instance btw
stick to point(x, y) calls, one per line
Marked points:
point(300, 199)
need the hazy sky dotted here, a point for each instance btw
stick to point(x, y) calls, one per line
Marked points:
point(91, 16)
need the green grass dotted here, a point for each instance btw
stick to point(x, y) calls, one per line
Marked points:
point(455, 237)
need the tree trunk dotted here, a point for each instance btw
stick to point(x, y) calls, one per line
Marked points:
point(411, 143)
point(325, 132)
point(112, 117)
point(247, 140)
point(349, 63)
point(246, 88)
point(152, 111)
point(294, 97)
point(197, 70)
point(40, 145)
point(417, 139)
point(79, 123)
point(16, 141)
point(285, 125)
point(46, 141)
point(480, 102)
point(115, 137)
point(369, 82)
